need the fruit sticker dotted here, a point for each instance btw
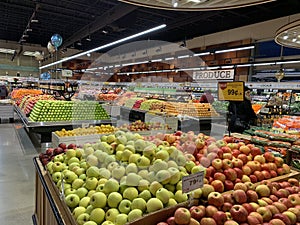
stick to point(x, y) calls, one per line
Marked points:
point(231, 91)
point(192, 182)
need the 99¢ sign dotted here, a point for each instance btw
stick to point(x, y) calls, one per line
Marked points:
point(192, 182)
point(231, 91)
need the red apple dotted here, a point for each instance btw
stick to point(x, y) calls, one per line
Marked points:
point(253, 178)
point(228, 185)
point(269, 157)
point(239, 173)
point(259, 175)
point(218, 185)
point(258, 216)
point(265, 213)
point(197, 212)
point(238, 163)
point(273, 173)
point(171, 220)
point(273, 209)
point(227, 156)
point(207, 221)
point(243, 157)
point(228, 198)
point(252, 196)
point(277, 222)
point(215, 199)
point(230, 174)
point(239, 213)
point(294, 182)
point(248, 207)
point(245, 149)
point(239, 196)
point(273, 198)
point(252, 220)
point(217, 164)
point(220, 217)
point(281, 207)
point(247, 170)
point(210, 211)
point(226, 206)
point(235, 153)
point(227, 163)
point(182, 216)
point(266, 174)
point(255, 151)
point(283, 218)
point(278, 161)
point(240, 186)
point(205, 162)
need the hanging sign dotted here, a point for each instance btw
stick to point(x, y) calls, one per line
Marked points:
point(213, 75)
point(67, 73)
point(231, 91)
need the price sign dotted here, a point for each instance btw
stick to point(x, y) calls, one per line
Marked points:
point(231, 91)
point(192, 182)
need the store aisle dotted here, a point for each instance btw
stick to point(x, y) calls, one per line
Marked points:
point(17, 176)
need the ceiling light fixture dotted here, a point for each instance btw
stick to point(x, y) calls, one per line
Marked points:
point(34, 21)
point(175, 3)
point(106, 45)
point(28, 29)
point(88, 38)
point(287, 35)
point(235, 49)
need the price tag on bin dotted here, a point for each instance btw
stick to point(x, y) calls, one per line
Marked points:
point(192, 182)
point(231, 91)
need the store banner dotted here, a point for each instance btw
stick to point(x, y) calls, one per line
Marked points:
point(213, 75)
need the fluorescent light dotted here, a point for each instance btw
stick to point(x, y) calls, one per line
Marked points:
point(170, 58)
point(235, 49)
point(288, 62)
point(106, 46)
point(156, 60)
point(183, 56)
point(28, 29)
point(244, 65)
point(226, 67)
point(201, 54)
point(7, 51)
point(264, 64)
point(34, 21)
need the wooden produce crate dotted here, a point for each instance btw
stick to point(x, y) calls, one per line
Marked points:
point(78, 140)
point(49, 209)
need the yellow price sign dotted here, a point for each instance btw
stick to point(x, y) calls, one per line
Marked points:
point(231, 91)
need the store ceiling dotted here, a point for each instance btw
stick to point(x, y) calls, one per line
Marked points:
point(104, 21)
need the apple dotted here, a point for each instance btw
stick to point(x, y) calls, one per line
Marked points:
point(253, 178)
point(263, 190)
point(219, 176)
point(281, 207)
point(239, 196)
point(220, 217)
point(252, 196)
point(72, 200)
point(83, 218)
point(252, 220)
point(171, 220)
point(154, 204)
point(206, 190)
point(239, 213)
point(282, 217)
point(266, 174)
point(277, 222)
point(248, 207)
point(226, 206)
point(237, 163)
point(245, 149)
point(230, 222)
point(217, 164)
point(287, 202)
point(227, 163)
point(218, 185)
point(182, 216)
point(215, 199)
point(240, 186)
point(210, 210)
point(121, 219)
point(243, 157)
point(228, 185)
point(294, 199)
point(269, 156)
point(239, 172)
point(265, 213)
point(296, 211)
point(247, 170)
point(291, 216)
point(230, 174)
point(197, 212)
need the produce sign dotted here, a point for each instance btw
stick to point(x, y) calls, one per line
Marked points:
point(192, 182)
point(51, 110)
point(231, 91)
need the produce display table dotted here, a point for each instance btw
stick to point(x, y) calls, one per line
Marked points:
point(45, 129)
point(6, 110)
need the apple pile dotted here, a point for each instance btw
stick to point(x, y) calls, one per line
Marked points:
point(139, 125)
point(226, 163)
point(120, 178)
point(276, 203)
point(50, 153)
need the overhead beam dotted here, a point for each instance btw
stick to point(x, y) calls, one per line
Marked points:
point(108, 17)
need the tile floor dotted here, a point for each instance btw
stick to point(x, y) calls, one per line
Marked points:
point(17, 176)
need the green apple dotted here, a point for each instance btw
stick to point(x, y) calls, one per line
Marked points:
point(126, 155)
point(111, 186)
point(151, 176)
point(79, 152)
point(109, 159)
point(118, 155)
point(172, 149)
point(56, 176)
point(102, 181)
point(119, 133)
point(197, 169)
point(74, 166)
point(58, 166)
point(196, 193)
point(139, 145)
point(91, 192)
point(89, 209)
point(69, 191)
point(91, 183)
point(90, 223)
point(146, 195)
point(163, 176)
point(72, 160)
point(129, 136)
point(78, 211)
point(158, 165)
point(170, 187)
point(139, 203)
point(83, 218)
point(179, 185)
point(154, 204)
point(171, 202)
point(174, 154)
point(143, 162)
point(110, 138)
point(172, 163)
point(163, 155)
point(72, 200)
point(98, 200)
point(100, 155)
point(118, 172)
point(82, 177)
point(86, 145)
point(150, 152)
point(79, 171)
point(49, 167)
point(131, 168)
point(130, 148)
point(163, 195)
point(111, 166)
point(143, 185)
point(77, 183)
point(121, 139)
point(134, 215)
point(180, 160)
point(124, 206)
point(84, 202)
point(111, 214)
point(107, 222)
point(130, 193)
point(120, 148)
point(121, 219)
point(92, 160)
point(143, 173)
point(134, 157)
point(113, 199)
point(175, 175)
point(84, 165)
point(154, 186)
point(104, 173)
point(81, 192)
point(88, 151)
point(100, 188)
point(97, 215)
point(107, 148)
point(180, 197)
point(133, 179)
point(70, 153)
point(59, 158)
point(189, 166)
